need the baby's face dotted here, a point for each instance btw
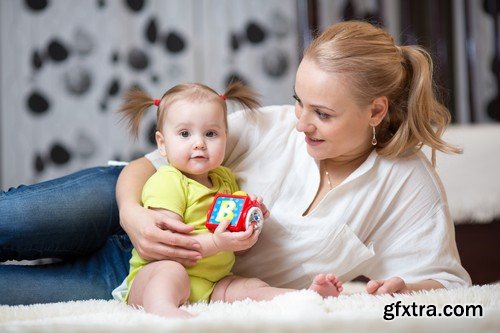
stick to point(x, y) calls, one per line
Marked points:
point(194, 136)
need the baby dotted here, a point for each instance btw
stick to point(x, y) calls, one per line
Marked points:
point(191, 135)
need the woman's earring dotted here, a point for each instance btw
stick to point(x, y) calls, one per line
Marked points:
point(374, 138)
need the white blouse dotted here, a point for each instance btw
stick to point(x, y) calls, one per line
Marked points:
point(388, 218)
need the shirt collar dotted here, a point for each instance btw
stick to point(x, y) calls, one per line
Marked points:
point(366, 166)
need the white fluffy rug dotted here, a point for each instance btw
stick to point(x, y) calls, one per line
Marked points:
point(302, 311)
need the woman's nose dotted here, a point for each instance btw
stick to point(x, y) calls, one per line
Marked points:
point(303, 123)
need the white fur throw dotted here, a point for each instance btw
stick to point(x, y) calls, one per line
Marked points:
point(302, 311)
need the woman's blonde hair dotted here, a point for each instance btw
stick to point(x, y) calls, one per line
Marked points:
point(137, 101)
point(375, 67)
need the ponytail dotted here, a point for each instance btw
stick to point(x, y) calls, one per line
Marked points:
point(135, 106)
point(376, 67)
point(418, 118)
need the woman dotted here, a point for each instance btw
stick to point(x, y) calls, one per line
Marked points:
point(341, 173)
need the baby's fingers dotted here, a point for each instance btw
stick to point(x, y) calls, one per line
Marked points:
point(222, 226)
point(242, 235)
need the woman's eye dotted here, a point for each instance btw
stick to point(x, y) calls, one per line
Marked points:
point(211, 134)
point(184, 134)
point(322, 115)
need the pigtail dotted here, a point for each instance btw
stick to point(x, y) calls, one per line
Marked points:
point(242, 94)
point(133, 109)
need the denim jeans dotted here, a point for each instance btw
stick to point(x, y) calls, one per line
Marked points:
point(74, 218)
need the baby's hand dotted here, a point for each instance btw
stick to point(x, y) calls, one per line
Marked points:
point(263, 207)
point(226, 240)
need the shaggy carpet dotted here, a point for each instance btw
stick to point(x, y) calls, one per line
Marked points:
point(474, 309)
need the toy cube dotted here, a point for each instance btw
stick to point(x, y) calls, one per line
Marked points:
point(239, 209)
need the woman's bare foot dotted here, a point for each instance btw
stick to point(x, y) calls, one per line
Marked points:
point(372, 286)
point(326, 285)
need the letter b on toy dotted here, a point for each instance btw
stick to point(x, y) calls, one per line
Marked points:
point(226, 211)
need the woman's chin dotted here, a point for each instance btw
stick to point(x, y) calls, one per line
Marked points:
point(316, 154)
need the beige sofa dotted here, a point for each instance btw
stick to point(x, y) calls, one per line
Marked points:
point(472, 183)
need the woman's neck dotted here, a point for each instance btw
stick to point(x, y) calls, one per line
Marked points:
point(346, 164)
point(333, 172)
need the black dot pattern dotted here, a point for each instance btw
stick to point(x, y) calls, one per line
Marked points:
point(174, 42)
point(255, 33)
point(57, 51)
point(59, 154)
point(38, 103)
point(152, 31)
point(135, 5)
point(138, 59)
point(36, 5)
point(78, 74)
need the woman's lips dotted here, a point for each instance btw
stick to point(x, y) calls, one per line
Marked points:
point(313, 142)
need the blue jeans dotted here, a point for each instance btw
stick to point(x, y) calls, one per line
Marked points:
point(74, 218)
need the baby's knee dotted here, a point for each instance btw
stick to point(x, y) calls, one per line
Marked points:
point(172, 268)
point(173, 273)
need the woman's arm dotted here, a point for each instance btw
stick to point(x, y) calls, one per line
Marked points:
point(397, 285)
point(155, 236)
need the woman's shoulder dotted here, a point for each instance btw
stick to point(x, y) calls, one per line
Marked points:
point(262, 131)
point(416, 161)
point(265, 111)
point(415, 170)
point(156, 159)
point(264, 117)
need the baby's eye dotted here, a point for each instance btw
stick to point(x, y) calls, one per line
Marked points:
point(295, 97)
point(211, 134)
point(184, 134)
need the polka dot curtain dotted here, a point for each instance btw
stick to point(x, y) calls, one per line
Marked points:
point(66, 63)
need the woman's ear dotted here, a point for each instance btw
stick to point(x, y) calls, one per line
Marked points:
point(160, 142)
point(380, 106)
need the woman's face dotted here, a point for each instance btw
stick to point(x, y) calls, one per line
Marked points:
point(335, 127)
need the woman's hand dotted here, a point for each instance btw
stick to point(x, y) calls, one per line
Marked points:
point(155, 235)
point(225, 240)
point(397, 285)
point(159, 235)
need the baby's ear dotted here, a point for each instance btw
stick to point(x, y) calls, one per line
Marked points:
point(160, 142)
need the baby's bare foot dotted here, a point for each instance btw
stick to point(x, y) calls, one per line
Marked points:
point(326, 285)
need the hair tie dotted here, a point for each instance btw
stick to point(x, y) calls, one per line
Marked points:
point(223, 97)
point(156, 102)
